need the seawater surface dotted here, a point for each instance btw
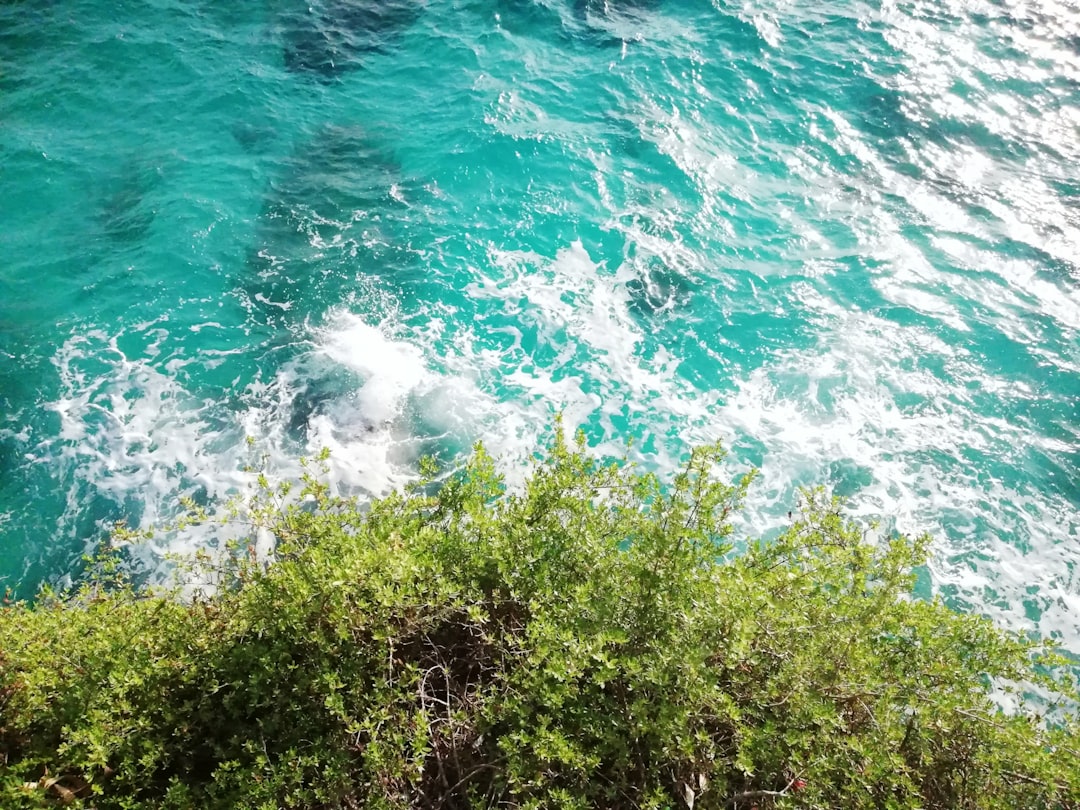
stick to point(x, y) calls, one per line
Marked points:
point(842, 236)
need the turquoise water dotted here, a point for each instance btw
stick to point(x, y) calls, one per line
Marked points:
point(843, 236)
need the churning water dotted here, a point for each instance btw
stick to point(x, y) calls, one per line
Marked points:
point(844, 236)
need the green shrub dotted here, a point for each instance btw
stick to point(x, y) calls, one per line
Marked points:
point(589, 641)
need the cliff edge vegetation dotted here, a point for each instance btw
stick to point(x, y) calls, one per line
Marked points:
point(596, 639)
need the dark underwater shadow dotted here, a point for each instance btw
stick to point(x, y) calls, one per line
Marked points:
point(253, 138)
point(327, 38)
point(126, 213)
point(328, 230)
point(27, 38)
point(326, 391)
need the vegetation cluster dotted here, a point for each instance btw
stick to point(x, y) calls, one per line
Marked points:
point(592, 640)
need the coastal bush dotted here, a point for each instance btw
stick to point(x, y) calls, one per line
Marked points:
point(590, 640)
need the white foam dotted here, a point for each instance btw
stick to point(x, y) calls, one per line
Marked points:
point(917, 478)
point(390, 369)
point(583, 311)
point(131, 435)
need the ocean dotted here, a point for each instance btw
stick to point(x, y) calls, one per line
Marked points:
point(842, 236)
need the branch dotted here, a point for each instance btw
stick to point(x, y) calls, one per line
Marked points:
point(747, 795)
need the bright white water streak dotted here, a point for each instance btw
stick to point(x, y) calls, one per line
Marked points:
point(920, 416)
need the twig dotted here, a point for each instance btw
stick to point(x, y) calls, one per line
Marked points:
point(473, 772)
point(747, 795)
point(1023, 778)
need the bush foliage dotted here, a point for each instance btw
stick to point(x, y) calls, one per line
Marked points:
point(591, 640)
